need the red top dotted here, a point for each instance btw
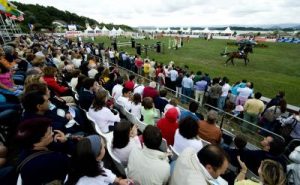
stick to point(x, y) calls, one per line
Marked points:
point(138, 62)
point(150, 92)
point(129, 85)
point(168, 125)
point(52, 84)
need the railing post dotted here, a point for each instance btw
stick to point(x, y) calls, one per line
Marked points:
point(222, 120)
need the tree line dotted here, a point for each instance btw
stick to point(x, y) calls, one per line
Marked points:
point(42, 17)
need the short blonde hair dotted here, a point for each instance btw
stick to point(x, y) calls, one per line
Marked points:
point(272, 173)
point(30, 79)
point(38, 61)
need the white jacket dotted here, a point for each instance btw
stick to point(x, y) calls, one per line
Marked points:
point(148, 167)
point(295, 166)
point(189, 171)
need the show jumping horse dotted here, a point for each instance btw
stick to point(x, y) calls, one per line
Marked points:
point(239, 55)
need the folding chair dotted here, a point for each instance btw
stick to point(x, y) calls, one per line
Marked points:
point(107, 136)
point(204, 142)
point(174, 153)
point(120, 167)
point(141, 125)
point(130, 117)
point(118, 105)
point(164, 145)
point(19, 182)
point(76, 97)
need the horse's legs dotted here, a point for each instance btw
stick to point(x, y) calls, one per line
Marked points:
point(245, 60)
point(227, 61)
point(232, 61)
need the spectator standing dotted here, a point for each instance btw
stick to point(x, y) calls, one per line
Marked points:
point(187, 87)
point(200, 88)
point(225, 88)
point(173, 76)
point(179, 85)
point(253, 108)
point(214, 92)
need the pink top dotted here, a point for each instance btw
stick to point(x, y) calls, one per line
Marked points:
point(5, 79)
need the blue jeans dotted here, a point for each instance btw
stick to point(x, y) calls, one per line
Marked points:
point(187, 92)
point(221, 102)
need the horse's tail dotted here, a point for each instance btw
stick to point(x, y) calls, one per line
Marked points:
point(224, 54)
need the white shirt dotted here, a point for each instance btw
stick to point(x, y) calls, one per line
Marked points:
point(92, 73)
point(88, 50)
point(189, 170)
point(74, 82)
point(136, 110)
point(225, 89)
point(123, 153)
point(138, 89)
point(181, 143)
point(148, 167)
point(77, 62)
point(96, 51)
point(187, 83)
point(99, 180)
point(111, 54)
point(104, 118)
point(117, 91)
point(169, 106)
point(125, 102)
point(245, 92)
point(173, 75)
point(56, 62)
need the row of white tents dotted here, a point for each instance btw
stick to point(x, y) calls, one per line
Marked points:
point(227, 31)
point(104, 31)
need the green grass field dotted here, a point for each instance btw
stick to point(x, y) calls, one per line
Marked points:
point(274, 68)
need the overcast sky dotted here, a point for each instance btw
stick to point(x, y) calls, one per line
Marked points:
point(165, 13)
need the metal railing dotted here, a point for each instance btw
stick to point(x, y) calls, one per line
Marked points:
point(226, 120)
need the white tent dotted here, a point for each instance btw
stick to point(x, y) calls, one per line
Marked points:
point(113, 32)
point(168, 30)
point(188, 30)
point(206, 30)
point(89, 30)
point(158, 30)
point(120, 31)
point(196, 31)
point(97, 29)
point(104, 31)
point(227, 31)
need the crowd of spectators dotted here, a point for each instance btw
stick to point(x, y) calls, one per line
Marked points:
point(58, 86)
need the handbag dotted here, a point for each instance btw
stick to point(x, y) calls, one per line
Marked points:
point(286, 130)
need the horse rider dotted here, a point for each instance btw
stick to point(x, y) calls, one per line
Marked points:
point(241, 49)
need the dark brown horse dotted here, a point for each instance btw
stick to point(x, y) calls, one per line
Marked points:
point(239, 55)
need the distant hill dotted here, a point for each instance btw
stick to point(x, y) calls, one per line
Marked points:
point(42, 17)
